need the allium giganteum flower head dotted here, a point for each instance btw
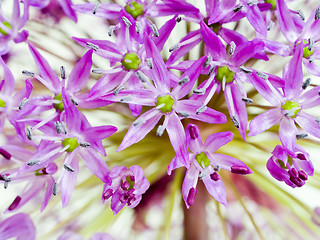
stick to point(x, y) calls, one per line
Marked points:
point(145, 119)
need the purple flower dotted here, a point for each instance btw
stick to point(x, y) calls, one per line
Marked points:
point(19, 226)
point(126, 188)
point(227, 73)
point(36, 181)
point(293, 169)
point(205, 164)
point(77, 138)
point(10, 27)
point(306, 34)
point(289, 105)
point(166, 103)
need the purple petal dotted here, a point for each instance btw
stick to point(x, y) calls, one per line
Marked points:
point(95, 164)
point(159, 71)
point(105, 10)
point(216, 189)
point(69, 179)
point(294, 75)
point(194, 140)
point(237, 107)
point(192, 75)
point(20, 226)
point(107, 49)
point(264, 121)
point(174, 164)
point(312, 68)
point(177, 137)
point(80, 73)
point(276, 171)
point(255, 18)
point(21, 36)
point(287, 133)
point(191, 107)
point(51, 81)
point(308, 123)
point(217, 140)
point(68, 9)
point(287, 26)
point(278, 48)
point(48, 194)
point(23, 93)
point(310, 99)
point(227, 162)
point(214, 44)
point(164, 33)
point(140, 128)
point(9, 83)
point(190, 181)
point(265, 88)
point(73, 116)
point(116, 204)
point(245, 51)
point(186, 44)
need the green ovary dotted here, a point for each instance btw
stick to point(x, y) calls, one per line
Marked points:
point(2, 103)
point(273, 2)
point(8, 25)
point(168, 102)
point(131, 183)
point(224, 72)
point(292, 107)
point(131, 61)
point(136, 10)
point(72, 142)
point(58, 106)
point(306, 52)
point(203, 160)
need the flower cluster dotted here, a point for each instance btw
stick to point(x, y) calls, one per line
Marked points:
point(48, 122)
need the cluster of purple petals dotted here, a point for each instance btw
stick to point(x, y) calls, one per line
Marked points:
point(54, 128)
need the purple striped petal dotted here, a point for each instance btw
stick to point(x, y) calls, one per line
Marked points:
point(237, 107)
point(308, 123)
point(254, 16)
point(214, 44)
point(186, 44)
point(159, 71)
point(174, 164)
point(140, 128)
point(164, 33)
point(80, 73)
point(287, 26)
point(107, 49)
point(216, 189)
point(278, 48)
point(48, 194)
point(245, 51)
point(51, 81)
point(67, 7)
point(8, 85)
point(264, 121)
point(177, 137)
point(287, 133)
point(294, 75)
point(191, 107)
point(190, 181)
point(73, 116)
point(312, 68)
point(20, 226)
point(228, 163)
point(217, 140)
point(95, 164)
point(105, 10)
point(310, 99)
point(192, 75)
point(69, 178)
